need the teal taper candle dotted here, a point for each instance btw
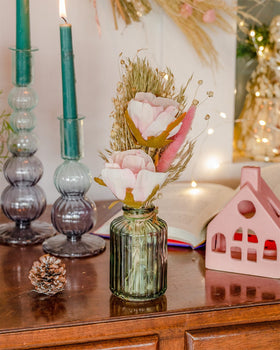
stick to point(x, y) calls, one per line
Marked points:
point(68, 74)
point(23, 56)
point(70, 130)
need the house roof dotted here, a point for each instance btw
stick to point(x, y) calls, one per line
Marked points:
point(254, 194)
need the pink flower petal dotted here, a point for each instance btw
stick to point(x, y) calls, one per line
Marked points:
point(134, 163)
point(146, 108)
point(145, 183)
point(112, 165)
point(175, 130)
point(150, 98)
point(118, 180)
point(166, 102)
point(161, 123)
point(145, 97)
point(118, 158)
point(141, 113)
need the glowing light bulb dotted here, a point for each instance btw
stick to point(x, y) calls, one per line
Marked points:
point(213, 163)
point(193, 184)
point(262, 122)
point(210, 131)
point(260, 38)
point(252, 33)
point(194, 190)
point(261, 48)
point(265, 140)
point(223, 115)
point(241, 23)
point(166, 76)
point(257, 93)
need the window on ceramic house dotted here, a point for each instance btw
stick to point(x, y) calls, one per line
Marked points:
point(219, 243)
point(252, 254)
point(246, 209)
point(270, 250)
point(235, 253)
point(238, 234)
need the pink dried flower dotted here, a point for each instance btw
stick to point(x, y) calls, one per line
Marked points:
point(209, 16)
point(152, 115)
point(186, 10)
point(132, 171)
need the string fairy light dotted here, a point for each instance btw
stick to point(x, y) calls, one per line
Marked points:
point(194, 190)
point(213, 163)
point(193, 184)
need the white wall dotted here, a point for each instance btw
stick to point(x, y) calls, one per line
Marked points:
point(97, 72)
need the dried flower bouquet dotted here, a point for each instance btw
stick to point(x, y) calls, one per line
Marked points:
point(149, 147)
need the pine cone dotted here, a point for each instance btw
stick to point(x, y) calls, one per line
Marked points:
point(48, 275)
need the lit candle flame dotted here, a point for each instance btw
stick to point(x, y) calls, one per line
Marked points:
point(62, 10)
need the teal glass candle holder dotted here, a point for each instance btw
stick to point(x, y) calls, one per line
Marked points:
point(73, 214)
point(23, 201)
point(22, 63)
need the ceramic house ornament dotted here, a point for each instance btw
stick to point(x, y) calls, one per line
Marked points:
point(244, 237)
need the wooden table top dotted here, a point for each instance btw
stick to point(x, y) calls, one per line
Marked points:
point(87, 298)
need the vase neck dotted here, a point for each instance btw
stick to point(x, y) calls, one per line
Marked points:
point(139, 213)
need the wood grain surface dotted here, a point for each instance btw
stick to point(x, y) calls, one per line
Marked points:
point(201, 309)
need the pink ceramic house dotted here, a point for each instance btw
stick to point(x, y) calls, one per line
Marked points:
point(245, 236)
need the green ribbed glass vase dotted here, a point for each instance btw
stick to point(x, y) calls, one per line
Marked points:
point(138, 255)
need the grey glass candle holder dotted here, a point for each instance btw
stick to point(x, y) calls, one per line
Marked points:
point(73, 214)
point(23, 201)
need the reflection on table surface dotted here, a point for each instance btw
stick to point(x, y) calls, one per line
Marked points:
point(87, 298)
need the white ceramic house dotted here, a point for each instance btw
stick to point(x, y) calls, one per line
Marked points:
point(244, 237)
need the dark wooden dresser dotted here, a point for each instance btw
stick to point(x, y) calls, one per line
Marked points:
point(200, 310)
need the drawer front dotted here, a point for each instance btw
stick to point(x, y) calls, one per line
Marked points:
point(139, 343)
point(254, 337)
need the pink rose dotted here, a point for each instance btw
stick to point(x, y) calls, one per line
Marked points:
point(209, 16)
point(132, 170)
point(152, 115)
point(186, 10)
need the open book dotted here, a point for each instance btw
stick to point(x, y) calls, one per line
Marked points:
point(187, 209)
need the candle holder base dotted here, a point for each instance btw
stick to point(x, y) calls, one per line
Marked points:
point(37, 232)
point(87, 245)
